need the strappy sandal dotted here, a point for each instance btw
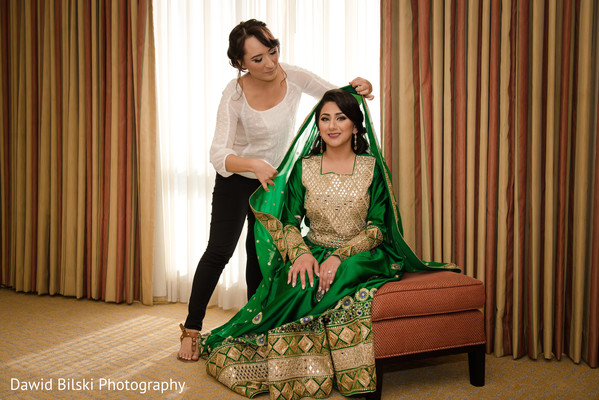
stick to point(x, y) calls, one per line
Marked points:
point(194, 343)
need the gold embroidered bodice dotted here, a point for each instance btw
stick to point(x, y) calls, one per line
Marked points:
point(336, 205)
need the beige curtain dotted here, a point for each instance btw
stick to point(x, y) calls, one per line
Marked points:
point(490, 127)
point(77, 148)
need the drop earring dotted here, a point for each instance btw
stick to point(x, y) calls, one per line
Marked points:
point(321, 145)
point(355, 141)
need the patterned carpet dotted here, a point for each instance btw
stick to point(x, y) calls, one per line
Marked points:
point(63, 348)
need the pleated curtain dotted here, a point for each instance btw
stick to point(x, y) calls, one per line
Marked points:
point(490, 126)
point(77, 148)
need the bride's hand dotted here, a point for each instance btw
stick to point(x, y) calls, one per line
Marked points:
point(303, 265)
point(328, 270)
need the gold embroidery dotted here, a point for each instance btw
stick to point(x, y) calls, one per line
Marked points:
point(366, 240)
point(257, 319)
point(295, 243)
point(337, 205)
point(347, 358)
point(352, 344)
point(243, 371)
point(302, 359)
point(299, 362)
point(275, 229)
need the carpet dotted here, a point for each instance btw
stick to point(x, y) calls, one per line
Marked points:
point(55, 347)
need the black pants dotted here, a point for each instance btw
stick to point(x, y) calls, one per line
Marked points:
point(230, 207)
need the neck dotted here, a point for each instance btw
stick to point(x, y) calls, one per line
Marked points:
point(340, 161)
point(264, 84)
point(345, 153)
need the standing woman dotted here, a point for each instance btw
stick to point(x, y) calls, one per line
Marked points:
point(255, 124)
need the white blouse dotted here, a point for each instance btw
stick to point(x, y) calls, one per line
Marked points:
point(245, 132)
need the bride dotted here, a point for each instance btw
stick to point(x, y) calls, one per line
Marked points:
point(308, 329)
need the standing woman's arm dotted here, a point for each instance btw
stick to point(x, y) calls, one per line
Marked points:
point(225, 159)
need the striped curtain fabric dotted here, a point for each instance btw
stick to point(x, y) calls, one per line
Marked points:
point(77, 148)
point(490, 127)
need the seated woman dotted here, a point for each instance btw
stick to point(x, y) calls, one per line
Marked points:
point(307, 328)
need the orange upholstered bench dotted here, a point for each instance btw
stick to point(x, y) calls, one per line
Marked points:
point(428, 314)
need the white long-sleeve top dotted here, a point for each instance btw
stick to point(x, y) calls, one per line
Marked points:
point(245, 132)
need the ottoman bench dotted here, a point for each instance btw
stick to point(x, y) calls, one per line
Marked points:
point(429, 314)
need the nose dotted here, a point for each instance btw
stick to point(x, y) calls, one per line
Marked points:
point(270, 61)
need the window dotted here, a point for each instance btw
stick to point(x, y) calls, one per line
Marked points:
point(336, 39)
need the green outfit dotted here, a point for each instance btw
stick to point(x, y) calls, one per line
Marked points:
point(297, 342)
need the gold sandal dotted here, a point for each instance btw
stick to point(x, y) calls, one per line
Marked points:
point(194, 343)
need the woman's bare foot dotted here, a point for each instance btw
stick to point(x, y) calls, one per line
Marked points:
point(189, 350)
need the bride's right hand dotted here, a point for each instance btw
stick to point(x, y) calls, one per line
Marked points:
point(303, 265)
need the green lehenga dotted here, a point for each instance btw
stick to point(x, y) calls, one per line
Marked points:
point(295, 342)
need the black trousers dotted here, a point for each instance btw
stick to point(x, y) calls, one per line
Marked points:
point(230, 208)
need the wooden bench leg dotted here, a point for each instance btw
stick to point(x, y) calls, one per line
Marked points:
point(476, 365)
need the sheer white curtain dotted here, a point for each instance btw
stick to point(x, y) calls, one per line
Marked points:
point(338, 40)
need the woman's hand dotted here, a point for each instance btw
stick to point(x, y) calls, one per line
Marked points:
point(328, 269)
point(363, 87)
point(262, 169)
point(264, 172)
point(303, 265)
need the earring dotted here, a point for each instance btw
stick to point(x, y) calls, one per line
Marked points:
point(321, 149)
point(355, 141)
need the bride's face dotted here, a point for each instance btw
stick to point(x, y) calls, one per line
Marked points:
point(336, 129)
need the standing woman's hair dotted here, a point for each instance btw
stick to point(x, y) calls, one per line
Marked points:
point(348, 104)
point(240, 33)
